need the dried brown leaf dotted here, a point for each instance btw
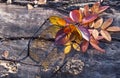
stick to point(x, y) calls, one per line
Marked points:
point(113, 28)
point(107, 23)
point(29, 6)
point(95, 33)
point(106, 35)
point(95, 45)
point(42, 1)
point(98, 23)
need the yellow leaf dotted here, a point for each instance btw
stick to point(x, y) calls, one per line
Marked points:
point(98, 23)
point(107, 23)
point(106, 35)
point(76, 46)
point(67, 49)
point(78, 36)
point(55, 20)
point(113, 28)
point(95, 33)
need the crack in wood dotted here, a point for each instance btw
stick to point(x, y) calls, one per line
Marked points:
point(27, 38)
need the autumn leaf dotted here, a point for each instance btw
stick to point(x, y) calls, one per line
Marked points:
point(95, 33)
point(51, 31)
point(55, 20)
point(29, 6)
point(85, 33)
point(69, 28)
point(61, 37)
point(107, 23)
point(113, 28)
point(98, 23)
point(86, 10)
point(84, 46)
point(76, 36)
point(67, 49)
point(76, 15)
point(89, 18)
point(106, 35)
point(94, 43)
point(42, 1)
point(76, 46)
point(68, 20)
point(103, 8)
point(95, 8)
point(100, 38)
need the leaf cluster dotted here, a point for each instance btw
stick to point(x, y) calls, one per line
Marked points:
point(82, 28)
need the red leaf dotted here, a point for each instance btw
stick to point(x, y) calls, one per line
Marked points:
point(94, 43)
point(76, 15)
point(61, 37)
point(103, 8)
point(84, 46)
point(85, 33)
point(68, 20)
point(89, 18)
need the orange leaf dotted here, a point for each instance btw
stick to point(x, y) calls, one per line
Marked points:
point(107, 23)
point(95, 33)
point(84, 46)
point(69, 28)
point(94, 43)
point(98, 23)
point(106, 35)
point(76, 15)
point(55, 20)
point(113, 28)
